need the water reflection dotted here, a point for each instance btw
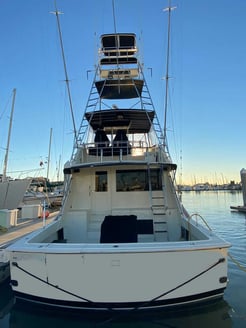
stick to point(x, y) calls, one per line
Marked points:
point(6, 304)
point(17, 315)
point(216, 315)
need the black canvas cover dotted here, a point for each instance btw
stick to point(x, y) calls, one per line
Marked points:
point(119, 229)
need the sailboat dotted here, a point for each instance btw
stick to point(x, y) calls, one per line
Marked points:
point(11, 194)
point(122, 240)
point(11, 191)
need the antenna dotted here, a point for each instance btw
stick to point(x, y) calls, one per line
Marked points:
point(169, 9)
point(57, 13)
point(117, 43)
point(48, 167)
point(115, 30)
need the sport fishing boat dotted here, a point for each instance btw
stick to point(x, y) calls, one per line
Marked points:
point(122, 239)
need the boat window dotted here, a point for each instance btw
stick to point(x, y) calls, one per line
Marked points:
point(136, 180)
point(101, 182)
point(155, 178)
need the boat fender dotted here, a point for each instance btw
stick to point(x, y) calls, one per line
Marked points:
point(46, 214)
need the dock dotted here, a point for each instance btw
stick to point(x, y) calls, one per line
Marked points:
point(239, 208)
point(23, 227)
point(243, 181)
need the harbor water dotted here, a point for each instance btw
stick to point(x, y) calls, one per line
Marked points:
point(214, 207)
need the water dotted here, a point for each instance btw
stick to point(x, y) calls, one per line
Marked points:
point(229, 312)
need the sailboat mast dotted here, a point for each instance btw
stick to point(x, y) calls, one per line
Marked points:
point(9, 135)
point(169, 9)
point(48, 167)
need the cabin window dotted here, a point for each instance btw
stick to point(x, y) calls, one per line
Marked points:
point(155, 178)
point(136, 180)
point(101, 181)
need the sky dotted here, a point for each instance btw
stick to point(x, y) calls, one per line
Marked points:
point(206, 114)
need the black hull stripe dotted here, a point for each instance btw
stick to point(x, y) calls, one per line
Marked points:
point(100, 306)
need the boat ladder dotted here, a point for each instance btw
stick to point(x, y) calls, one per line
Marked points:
point(159, 219)
point(158, 209)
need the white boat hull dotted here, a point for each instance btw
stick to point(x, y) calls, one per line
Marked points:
point(119, 277)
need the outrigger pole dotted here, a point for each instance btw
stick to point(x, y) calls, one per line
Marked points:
point(169, 9)
point(57, 13)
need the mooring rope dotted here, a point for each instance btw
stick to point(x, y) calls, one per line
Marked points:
point(237, 263)
point(145, 304)
point(52, 285)
point(221, 260)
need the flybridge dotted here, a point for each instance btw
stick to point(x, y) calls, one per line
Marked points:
point(120, 121)
point(119, 77)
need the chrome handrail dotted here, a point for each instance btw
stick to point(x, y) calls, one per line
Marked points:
point(199, 216)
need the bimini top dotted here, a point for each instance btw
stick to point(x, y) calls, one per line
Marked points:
point(134, 120)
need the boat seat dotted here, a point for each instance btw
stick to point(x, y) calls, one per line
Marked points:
point(101, 140)
point(101, 144)
point(121, 142)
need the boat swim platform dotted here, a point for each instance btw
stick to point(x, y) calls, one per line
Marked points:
point(23, 227)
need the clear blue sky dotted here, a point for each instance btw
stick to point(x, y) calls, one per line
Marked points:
point(206, 120)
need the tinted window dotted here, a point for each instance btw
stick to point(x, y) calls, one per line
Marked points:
point(101, 181)
point(136, 180)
